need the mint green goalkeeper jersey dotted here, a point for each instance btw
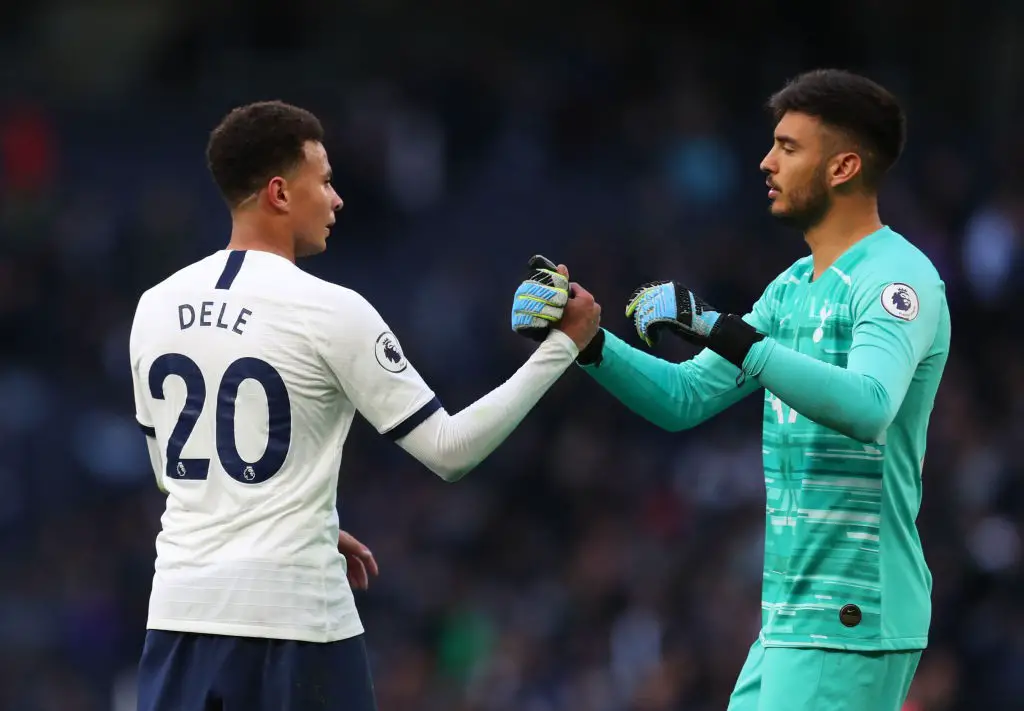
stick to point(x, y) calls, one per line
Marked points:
point(850, 368)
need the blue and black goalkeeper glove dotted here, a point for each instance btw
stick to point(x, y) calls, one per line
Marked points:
point(667, 306)
point(540, 300)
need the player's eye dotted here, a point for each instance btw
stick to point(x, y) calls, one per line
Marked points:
point(785, 146)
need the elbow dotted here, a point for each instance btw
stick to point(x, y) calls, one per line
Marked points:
point(871, 425)
point(864, 427)
point(682, 419)
point(867, 432)
point(867, 424)
point(869, 428)
point(451, 472)
point(668, 421)
point(674, 425)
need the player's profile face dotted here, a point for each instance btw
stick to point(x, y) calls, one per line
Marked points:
point(796, 171)
point(314, 201)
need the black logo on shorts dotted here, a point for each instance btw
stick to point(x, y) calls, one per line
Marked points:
point(850, 615)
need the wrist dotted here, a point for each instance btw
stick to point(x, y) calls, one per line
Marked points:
point(564, 340)
point(732, 338)
point(592, 352)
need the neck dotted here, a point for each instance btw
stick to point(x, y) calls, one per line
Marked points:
point(845, 224)
point(249, 232)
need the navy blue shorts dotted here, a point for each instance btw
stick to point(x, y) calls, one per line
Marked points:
point(180, 671)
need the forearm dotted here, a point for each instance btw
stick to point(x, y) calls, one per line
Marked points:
point(848, 400)
point(452, 445)
point(674, 396)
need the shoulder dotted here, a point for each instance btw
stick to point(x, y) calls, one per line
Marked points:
point(172, 287)
point(188, 277)
point(345, 323)
point(352, 333)
point(900, 277)
point(894, 257)
point(303, 295)
point(152, 302)
point(339, 304)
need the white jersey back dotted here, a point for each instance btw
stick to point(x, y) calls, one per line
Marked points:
point(248, 373)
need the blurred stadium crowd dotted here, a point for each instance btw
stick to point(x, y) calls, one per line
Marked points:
point(594, 563)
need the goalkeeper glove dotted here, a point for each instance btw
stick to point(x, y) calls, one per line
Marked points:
point(540, 300)
point(670, 307)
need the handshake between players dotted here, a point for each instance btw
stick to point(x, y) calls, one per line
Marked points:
point(547, 299)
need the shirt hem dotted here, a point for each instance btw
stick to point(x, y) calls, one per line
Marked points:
point(894, 644)
point(239, 630)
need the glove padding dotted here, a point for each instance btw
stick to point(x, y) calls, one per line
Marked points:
point(540, 300)
point(667, 306)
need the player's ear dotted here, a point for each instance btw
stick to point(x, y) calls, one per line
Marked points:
point(277, 193)
point(843, 168)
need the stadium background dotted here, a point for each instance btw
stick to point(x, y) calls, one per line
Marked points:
point(593, 563)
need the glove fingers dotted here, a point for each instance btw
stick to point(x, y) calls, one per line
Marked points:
point(550, 278)
point(631, 306)
point(652, 304)
point(666, 305)
point(542, 293)
point(540, 300)
point(643, 330)
point(534, 314)
point(643, 293)
point(536, 309)
point(631, 312)
point(522, 321)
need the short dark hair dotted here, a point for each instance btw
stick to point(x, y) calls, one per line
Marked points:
point(255, 142)
point(865, 111)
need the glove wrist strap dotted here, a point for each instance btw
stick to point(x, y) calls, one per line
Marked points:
point(732, 338)
point(594, 351)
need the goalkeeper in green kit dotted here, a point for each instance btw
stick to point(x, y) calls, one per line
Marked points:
point(849, 345)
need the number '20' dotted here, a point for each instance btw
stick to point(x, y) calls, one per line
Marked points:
point(279, 411)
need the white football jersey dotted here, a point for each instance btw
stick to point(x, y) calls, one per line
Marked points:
point(248, 373)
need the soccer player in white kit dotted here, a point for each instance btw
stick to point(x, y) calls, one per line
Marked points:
point(248, 373)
